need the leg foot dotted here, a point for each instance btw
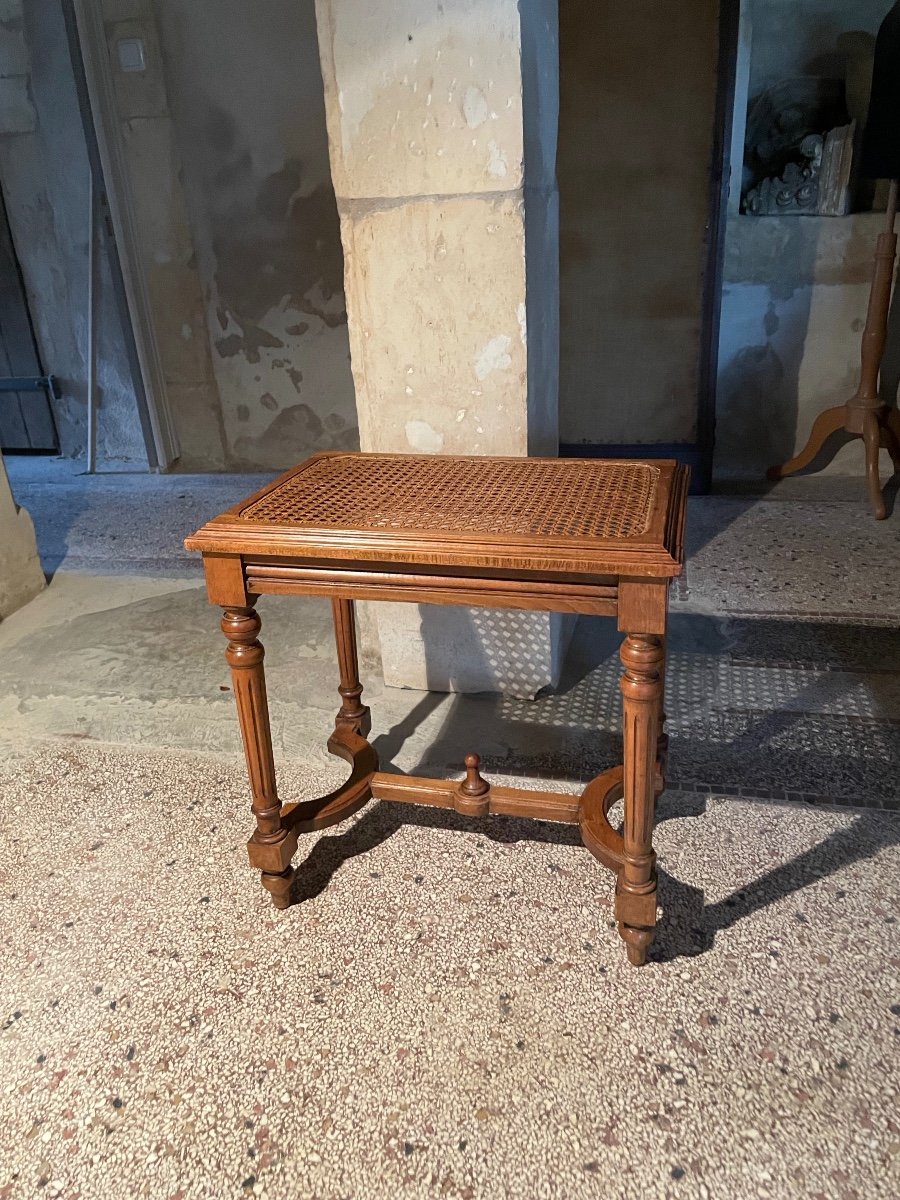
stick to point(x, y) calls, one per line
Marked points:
point(636, 910)
point(872, 440)
point(279, 887)
point(637, 942)
point(827, 423)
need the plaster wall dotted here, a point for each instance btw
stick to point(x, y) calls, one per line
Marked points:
point(21, 576)
point(44, 173)
point(244, 91)
point(795, 290)
point(793, 310)
point(800, 37)
point(637, 106)
point(224, 140)
point(426, 126)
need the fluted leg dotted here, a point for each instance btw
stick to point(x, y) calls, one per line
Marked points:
point(353, 714)
point(643, 658)
point(662, 738)
point(271, 846)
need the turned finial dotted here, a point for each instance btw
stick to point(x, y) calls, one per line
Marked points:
point(474, 785)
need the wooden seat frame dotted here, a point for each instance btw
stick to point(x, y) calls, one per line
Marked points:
point(623, 578)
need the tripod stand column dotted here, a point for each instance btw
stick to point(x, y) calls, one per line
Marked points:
point(866, 415)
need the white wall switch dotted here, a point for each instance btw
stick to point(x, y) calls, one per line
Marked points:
point(131, 54)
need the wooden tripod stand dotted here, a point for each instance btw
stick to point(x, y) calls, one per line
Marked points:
point(865, 416)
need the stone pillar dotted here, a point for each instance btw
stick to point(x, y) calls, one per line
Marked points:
point(21, 576)
point(442, 122)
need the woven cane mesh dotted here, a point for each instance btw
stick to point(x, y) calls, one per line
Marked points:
point(526, 497)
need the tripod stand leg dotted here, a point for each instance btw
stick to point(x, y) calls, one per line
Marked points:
point(872, 440)
point(826, 424)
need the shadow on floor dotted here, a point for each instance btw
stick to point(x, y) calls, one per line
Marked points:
point(771, 709)
point(753, 743)
point(688, 926)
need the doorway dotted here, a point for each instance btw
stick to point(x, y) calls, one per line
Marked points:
point(26, 417)
point(645, 102)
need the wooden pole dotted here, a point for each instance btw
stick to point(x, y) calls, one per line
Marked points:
point(91, 353)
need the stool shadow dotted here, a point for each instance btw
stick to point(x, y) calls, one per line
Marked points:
point(689, 925)
point(380, 822)
point(891, 491)
point(588, 743)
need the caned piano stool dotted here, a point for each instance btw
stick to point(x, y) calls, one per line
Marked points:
point(557, 535)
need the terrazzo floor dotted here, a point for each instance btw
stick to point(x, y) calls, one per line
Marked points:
point(448, 1011)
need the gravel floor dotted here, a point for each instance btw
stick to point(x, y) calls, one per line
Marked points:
point(447, 1013)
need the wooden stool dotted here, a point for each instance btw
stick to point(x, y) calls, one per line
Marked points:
point(557, 535)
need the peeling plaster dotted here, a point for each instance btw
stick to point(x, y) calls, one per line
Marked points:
point(265, 224)
point(521, 316)
point(496, 161)
point(296, 425)
point(296, 234)
point(423, 438)
point(494, 356)
point(475, 107)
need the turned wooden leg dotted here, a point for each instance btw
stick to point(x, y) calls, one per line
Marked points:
point(826, 424)
point(271, 846)
point(643, 658)
point(872, 440)
point(353, 714)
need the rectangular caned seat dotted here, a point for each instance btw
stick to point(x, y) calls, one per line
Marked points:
point(569, 516)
